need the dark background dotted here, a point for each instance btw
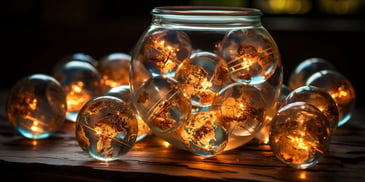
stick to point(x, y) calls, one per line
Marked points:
point(35, 34)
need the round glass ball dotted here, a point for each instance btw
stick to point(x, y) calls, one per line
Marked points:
point(81, 81)
point(36, 106)
point(114, 70)
point(299, 135)
point(106, 128)
point(241, 111)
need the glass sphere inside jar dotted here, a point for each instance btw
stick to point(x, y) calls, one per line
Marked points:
point(187, 57)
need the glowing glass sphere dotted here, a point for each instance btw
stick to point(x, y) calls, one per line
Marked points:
point(81, 82)
point(299, 135)
point(305, 69)
point(203, 135)
point(201, 77)
point(317, 97)
point(123, 92)
point(106, 128)
point(36, 106)
point(163, 50)
point(162, 104)
point(241, 111)
point(114, 69)
point(339, 88)
point(251, 55)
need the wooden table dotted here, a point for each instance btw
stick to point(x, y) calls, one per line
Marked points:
point(59, 158)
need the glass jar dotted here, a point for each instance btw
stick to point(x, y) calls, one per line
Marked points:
point(206, 79)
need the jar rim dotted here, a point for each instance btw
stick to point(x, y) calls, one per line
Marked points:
point(206, 11)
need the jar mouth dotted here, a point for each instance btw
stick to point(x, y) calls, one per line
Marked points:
point(205, 11)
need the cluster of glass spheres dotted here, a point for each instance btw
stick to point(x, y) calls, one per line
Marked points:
point(93, 94)
point(317, 100)
point(203, 91)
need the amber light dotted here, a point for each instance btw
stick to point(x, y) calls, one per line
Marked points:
point(76, 97)
point(166, 52)
point(165, 144)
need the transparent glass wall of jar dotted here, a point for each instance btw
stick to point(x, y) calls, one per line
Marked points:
point(206, 79)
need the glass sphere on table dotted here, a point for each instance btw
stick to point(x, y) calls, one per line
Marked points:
point(106, 128)
point(241, 111)
point(114, 70)
point(300, 135)
point(81, 81)
point(36, 106)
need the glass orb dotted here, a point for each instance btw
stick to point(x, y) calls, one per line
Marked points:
point(163, 50)
point(241, 111)
point(318, 98)
point(203, 135)
point(251, 55)
point(106, 128)
point(299, 135)
point(36, 106)
point(162, 104)
point(81, 82)
point(201, 77)
point(305, 69)
point(114, 69)
point(123, 92)
point(340, 89)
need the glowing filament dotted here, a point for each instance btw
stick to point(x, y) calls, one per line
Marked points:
point(34, 128)
point(77, 88)
point(340, 92)
point(241, 63)
point(298, 143)
point(33, 104)
point(246, 63)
